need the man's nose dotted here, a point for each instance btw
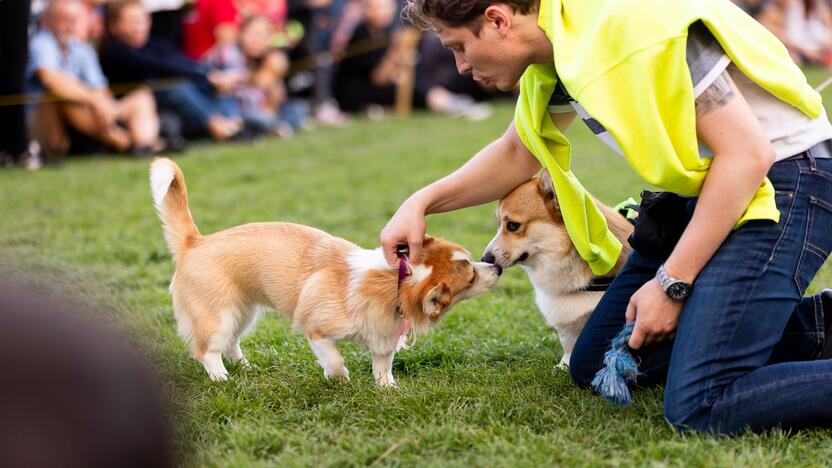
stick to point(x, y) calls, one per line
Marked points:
point(462, 65)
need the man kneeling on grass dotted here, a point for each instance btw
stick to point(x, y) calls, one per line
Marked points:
point(68, 68)
point(721, 321)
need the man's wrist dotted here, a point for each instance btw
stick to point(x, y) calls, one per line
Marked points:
point(422, 201)
point(675, 288)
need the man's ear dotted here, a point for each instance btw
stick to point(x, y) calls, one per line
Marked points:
point(498, 15)
point(436, 300)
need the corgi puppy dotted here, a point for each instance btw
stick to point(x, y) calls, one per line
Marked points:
point(329, 288)
point(532, 234)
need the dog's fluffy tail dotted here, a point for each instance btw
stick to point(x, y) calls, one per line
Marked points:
point(170, 196)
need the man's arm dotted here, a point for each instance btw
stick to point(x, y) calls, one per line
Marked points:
point(68, 88)
point(490, 175)
point(742, 157)
point(505, 164)
point(65, 86)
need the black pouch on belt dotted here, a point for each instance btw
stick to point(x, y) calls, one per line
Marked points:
point(662, 218)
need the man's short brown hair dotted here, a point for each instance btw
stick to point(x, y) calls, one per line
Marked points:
point(455, 13)
point(116, 7)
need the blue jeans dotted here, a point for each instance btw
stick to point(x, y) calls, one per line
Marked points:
point(293, 112)
point(746, 349)
point(195, 105)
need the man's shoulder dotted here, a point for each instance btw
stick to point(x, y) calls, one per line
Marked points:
point(43, 40)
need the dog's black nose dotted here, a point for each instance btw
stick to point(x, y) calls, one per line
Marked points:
point(488, 257)
point(499, 269)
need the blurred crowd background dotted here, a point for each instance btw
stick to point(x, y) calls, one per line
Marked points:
point(141, 77)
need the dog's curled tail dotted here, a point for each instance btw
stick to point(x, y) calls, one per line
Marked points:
point(170, 196)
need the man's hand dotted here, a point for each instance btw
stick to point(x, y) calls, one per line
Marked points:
point(490, 175)
point(656, 316)
point(407, 226)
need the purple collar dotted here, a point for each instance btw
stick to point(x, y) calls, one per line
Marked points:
point(403, 271)
point(404, 323)
point(403, 274)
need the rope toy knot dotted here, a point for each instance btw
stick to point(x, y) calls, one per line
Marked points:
point(620, 368)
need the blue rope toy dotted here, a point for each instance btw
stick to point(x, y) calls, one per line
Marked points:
point(620, 368)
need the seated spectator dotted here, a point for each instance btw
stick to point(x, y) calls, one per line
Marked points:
point(69, 69)
point(261, 71)
point(804, 26)
point(210, 23)
point(188, 88)
point(368, 72)
point(368, 75)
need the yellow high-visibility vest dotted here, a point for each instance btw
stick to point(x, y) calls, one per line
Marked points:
point(624, 62)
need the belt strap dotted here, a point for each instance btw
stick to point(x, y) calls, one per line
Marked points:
point(822, 150)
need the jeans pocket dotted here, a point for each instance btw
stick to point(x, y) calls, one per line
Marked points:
point(817, 243)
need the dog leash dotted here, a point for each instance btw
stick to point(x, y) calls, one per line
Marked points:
point(404, 324)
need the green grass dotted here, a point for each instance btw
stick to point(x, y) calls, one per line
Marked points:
point(480, 389)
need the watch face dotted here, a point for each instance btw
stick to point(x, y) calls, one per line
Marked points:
point(678, 291)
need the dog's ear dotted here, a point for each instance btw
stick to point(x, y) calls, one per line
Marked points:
point(436, 300)
point(547, 192)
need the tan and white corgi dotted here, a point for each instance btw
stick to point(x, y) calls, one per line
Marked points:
point(330, 288)
point(533, 235)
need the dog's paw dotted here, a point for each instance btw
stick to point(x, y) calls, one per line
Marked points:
point(220, 376)
point(562, 366)
point(386, 381)
point(341, 375)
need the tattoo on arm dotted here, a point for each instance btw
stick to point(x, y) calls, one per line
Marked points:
point(717, 95)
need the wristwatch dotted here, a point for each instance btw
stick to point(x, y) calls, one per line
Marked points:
point(676, 289)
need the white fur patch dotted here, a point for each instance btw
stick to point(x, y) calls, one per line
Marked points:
point(361, 260)
point(461, 255)
point(161, 176)
point(420, 272)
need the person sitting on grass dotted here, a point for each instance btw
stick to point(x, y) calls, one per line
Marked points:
point(260, 71)
point(187, 88)
point(722, 321)
point(367, 77)
point(68, 69)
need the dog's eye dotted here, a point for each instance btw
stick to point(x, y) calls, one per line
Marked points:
point(511, 226)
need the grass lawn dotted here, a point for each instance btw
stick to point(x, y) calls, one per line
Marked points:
point(481, 389)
